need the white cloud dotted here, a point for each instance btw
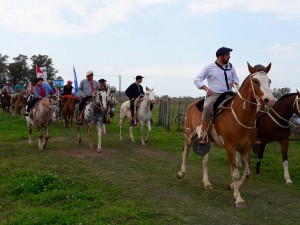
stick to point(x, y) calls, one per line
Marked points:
point(281, 50)
point(285, 9)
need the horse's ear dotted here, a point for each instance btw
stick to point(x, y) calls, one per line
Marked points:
point(267, 69)
point(147, 89)
point(297, 91)
point(250, 68)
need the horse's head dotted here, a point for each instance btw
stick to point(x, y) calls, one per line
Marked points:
point(260, 84)
point(112, 98)
point(150, 95)
point(101, 99)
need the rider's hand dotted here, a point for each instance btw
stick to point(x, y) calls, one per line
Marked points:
point(208, 93)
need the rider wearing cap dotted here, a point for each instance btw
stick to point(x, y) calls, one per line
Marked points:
point(133, 92)
point(220, 77)
point(86, 89)
point(39, 92)
point(19, 87)
point(102, 84)
point(8, 88)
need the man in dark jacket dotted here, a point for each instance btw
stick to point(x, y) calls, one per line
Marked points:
point(133, 92)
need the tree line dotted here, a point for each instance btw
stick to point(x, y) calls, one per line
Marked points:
point(23, 68)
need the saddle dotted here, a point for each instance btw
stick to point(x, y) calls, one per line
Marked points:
point(221, 102)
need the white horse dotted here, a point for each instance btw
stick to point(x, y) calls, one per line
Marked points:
point(111, 104)
point(93, 114)
point(42, 116)
point(143, 115)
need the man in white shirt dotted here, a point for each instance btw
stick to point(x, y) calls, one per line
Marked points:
point(220, 77)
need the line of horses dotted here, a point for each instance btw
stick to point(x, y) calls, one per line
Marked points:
point(233, 127)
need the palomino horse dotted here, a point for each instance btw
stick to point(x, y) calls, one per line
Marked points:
point(67, 110)
point(111, 104)
point(274, 125)
point(6, 101)
point(19, 102)
point(42, 115)
point(239, 114)
point(93, 114)
point(143, 115)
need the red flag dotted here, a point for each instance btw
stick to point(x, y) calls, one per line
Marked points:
point(39, 72)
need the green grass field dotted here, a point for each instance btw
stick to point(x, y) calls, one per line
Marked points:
point(133, 184)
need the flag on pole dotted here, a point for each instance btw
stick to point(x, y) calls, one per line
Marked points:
point(39, 72)
point(75, 82)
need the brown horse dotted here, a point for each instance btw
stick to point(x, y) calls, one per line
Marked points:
point(6, 101)
point(239, 115)
point(19, 102)
point(274, 125)
point(43, 114)
point(67, 111)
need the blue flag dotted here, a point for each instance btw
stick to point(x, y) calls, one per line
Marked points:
point(75, 82)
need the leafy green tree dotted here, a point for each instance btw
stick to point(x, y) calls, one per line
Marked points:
point(279, 92)
point(18, 69)
point(3, 70)
point(40, 61)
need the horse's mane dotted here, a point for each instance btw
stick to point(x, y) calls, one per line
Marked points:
point(283, 98)
point(245, 81)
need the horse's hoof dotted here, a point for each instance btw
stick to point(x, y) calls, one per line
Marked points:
point(180, 175)
point(240, 204)
point(132, 141)
point(289, 182)
point(79, 140)
point(208, 187)
point(91, 147)
point(99, 150)
point(143, 143)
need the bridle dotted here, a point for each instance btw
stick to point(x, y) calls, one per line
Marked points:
point(257, 103)
point(100, 104)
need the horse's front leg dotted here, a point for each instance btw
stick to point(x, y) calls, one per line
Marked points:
point(235, 175)
point(142, 132)
point(131, 134)
point(104, 129)
point(89, 136)
point(189, 138)
point(78, 133)
point(46, 136)
point(246, 159)
point(29, 127)
point(40, 134)
point(149, 131)
point(284, 153)
point(99, 129)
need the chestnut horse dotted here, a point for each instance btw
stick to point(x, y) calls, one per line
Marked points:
point(232, 129)
point(67, 110)
point(6, 101)
point(41, 115)
point(274, 125)
point(19, 102)
point(93, 114)
point(143, 115)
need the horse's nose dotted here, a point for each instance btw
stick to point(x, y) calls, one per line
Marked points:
point(270, 102)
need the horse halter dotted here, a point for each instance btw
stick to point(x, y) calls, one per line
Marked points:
point(100, 102)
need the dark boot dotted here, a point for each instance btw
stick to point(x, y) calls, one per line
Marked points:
point(204, 126)
point(79, 120)
point(132, 121)
point(151, 121)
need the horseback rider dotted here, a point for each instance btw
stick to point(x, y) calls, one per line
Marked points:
point(86, 89)
point(19, 87)
point(8, 88)
point(39, 92)
point(133, 92)
point(221, 76)
point(67, 90)
point(102, 84)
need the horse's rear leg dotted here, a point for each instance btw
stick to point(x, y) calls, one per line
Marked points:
point(185, 153)
point(121, 126)
point(131, 134)
point(142, 133)
point(89, 137)
point(40, 134)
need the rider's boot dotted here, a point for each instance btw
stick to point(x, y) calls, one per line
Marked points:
point(132, 121)
point(203, 137)
point(79, 120)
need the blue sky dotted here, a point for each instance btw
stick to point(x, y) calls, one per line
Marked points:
point(167, 41)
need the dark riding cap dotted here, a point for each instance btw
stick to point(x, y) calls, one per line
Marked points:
point(102, 80)
point(223, 51)
point(139, 77)
point(38, 79)
point(258, 67)
point(21, 82)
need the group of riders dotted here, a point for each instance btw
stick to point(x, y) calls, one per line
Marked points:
point(45, 89)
